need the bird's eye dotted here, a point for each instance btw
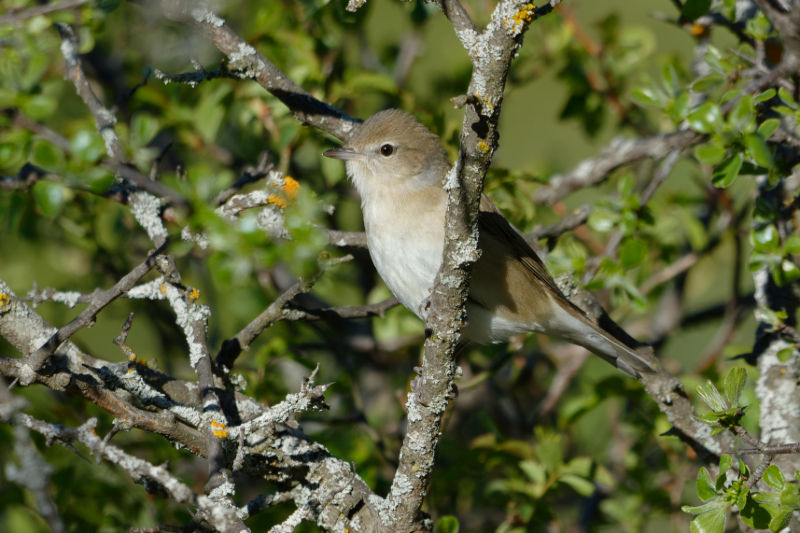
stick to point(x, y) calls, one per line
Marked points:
point(387, 150)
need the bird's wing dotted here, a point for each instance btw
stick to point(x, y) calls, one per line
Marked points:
point(499, 238)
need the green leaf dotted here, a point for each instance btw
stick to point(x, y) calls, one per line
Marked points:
point(724, 464)
point(787, 98)
point(744, 470)
point(785, 354)
point(774, 477)
point(39, 106)
point(768, 127)
point(679, 107)
point(743, 116)
point(709, 154)
point(581, 466)
point(47, 155)
point(143, 128)
point(705, 485)
point(787, 273)
point(780, 520)
point(758, 150)
point(710, 522)
point(447, 524)
point(694, 9)
point(711, 396)
point(734, 383)
point(706, 507)
point(758, 26)
point(50, 197)
point(581, 485)
point(706, 118)
point(603, 220)
point(648, 97)
point(87, 145)
point(753, 514)
point(633, 252)
point(708, 83)
point(764, 96)
point(790, 495)
point(534, 471)
point(766, 238)
point(726, 172)
point(792, 244)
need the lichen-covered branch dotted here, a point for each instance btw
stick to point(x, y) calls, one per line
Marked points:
point(491, 52)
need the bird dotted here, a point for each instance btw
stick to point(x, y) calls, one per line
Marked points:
point(398, 167)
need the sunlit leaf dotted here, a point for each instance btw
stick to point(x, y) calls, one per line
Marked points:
point(725, 173)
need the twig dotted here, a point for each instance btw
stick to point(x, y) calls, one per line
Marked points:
point(26, 177)
point(101, 299)
point(778, 449)
point(17, 17)
point(343, 312)
point(123, 337)
point(154, 478)
point(620, 152)
point(353, 239)
point(261, 171)
point(231, 348)
point(199, 75)
point(104, 119)
point(568, 223)
point(241, 55)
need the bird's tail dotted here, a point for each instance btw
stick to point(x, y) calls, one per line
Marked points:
point(633, 361)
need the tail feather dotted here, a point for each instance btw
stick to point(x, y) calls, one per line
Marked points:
point(572, 325)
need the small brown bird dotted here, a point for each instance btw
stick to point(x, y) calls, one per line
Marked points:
point(398, 167)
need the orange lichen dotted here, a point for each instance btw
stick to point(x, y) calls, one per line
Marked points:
point(280, 201)
point(5, 300)
point(523, 17)
point(194, 294)
point(699, 30)
point(483, 147)
point(290, 186)
point(219, 430)
point(163, 289)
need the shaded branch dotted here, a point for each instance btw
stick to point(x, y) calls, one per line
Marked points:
point(276, 311)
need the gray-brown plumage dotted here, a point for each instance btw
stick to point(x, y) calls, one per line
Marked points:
point(398, 166)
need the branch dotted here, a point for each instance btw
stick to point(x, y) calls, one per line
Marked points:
point(353, 239)
point(276, 311)
point(33, 471)
point(99, 301)
point(343, 312)
point(273, 452)
point(306, 108)
point(156, 479)
point(491, 52)
point(16, 17)
point(620, 152)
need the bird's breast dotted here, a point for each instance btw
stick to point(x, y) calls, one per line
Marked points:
point(405, 243)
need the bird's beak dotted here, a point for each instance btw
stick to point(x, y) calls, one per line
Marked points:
point(345, 153)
